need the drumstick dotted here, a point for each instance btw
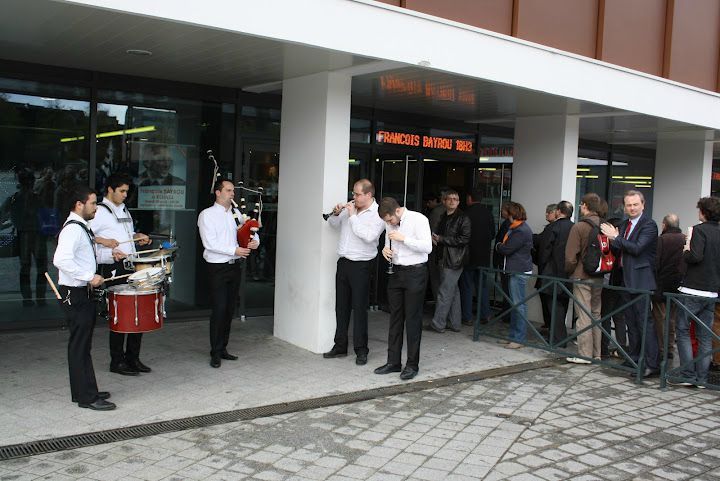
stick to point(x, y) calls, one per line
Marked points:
point(133, 240)
point(116, 277)
point(52, 286)
point(147, 251)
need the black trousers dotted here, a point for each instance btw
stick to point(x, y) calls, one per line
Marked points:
point(406, 294)
point(561, 308)
point(79, 309)
point(120, 350)
point(224, 285)
point(634, 317)
point(352, 279)
point(611, 299)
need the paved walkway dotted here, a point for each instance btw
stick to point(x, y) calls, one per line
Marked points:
point(564, 422)
point(35, 394)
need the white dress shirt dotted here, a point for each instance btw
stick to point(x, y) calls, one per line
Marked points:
point(75, 255)
point(117, 225)
point(418, 241)
point(218, 232)
point(359, 233)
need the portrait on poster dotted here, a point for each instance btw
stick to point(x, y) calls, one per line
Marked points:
point(162, 170)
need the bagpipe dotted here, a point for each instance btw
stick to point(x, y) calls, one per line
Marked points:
point(248, 222)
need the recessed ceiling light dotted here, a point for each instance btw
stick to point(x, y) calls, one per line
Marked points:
point(137, 51)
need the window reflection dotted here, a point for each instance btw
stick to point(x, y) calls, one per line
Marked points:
point(39, 165)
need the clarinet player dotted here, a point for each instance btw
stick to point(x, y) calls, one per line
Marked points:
point(360, 228)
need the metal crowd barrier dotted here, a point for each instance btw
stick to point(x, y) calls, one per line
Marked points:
point(675, 374)
point(554, 287)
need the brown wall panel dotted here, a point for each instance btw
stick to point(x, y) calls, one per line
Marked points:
point(495, 15)
point(565, 24)
point(397, 3)
point(632, 34)
point(693, 43)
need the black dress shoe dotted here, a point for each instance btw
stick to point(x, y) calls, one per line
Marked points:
point(98, 405)
point(408, 373)
point(228, 357)
point(334, 352)
point(137, 365)
point(361, 359)
point(387, 369)
point(123, 369)
point(468, 322)
point(454, 329)
point(647, 373)
point(100, 395)
point(215, 362)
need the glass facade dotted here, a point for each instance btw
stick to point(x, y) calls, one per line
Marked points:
point(44, 151)
point(160, 141)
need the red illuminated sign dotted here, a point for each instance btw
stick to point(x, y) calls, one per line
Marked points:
point(426, 141)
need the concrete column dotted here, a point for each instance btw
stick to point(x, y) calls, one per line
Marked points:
point(313, 177)
point(544, 163)
point(683, 170)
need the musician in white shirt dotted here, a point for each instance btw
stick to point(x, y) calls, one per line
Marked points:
point(218, 226)
point(411, 243)
point(360, 227)
point(113, 220)
point(75, 258)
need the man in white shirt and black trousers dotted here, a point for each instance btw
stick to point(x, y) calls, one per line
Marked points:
point(360, 228)
point(218, 226)
point(113, 221)
point(75, 258)
point(411, 243)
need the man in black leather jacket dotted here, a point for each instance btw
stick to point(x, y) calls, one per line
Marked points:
point(452, 238)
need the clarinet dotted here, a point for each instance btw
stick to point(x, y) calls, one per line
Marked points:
point(390, 266)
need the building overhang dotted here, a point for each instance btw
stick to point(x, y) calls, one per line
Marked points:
point(256, 45)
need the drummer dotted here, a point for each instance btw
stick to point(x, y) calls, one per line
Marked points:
point(113, 221)
point(75, 259)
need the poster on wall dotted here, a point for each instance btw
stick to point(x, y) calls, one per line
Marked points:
point(162, 171)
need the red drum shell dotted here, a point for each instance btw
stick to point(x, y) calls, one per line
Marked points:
point(126, 302)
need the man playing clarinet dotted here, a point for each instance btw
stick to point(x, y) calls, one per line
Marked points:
point(360, 227)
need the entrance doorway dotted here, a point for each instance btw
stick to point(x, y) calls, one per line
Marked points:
point(260, 169)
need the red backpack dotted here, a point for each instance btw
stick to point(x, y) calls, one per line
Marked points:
point(598, 259)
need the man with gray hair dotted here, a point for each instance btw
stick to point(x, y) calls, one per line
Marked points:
point(668, 274)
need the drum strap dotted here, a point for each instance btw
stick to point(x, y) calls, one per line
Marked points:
point(88, 231)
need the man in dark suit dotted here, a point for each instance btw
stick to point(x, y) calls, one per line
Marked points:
point(635, 244)
point(551, 262)
point(482, 232)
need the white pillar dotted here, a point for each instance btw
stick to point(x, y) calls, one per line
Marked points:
point(314, 150)
point(544, 163)
point(683, 170)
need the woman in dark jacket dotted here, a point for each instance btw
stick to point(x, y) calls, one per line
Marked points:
point(517, 247)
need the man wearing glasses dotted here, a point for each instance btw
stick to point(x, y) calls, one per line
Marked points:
point(452, 239)
point(360, 227)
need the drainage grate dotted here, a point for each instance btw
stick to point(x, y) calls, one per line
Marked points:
point(133, 432)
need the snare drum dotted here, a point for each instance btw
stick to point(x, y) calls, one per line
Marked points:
point(147, 278)
point(135, 310)
point(140, 263)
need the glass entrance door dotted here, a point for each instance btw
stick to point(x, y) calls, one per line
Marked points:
point(399, 179)
point(260, 169)
point(494, 181)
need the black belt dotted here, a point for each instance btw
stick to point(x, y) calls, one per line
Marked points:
point(413, 266)
point(86, 287)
